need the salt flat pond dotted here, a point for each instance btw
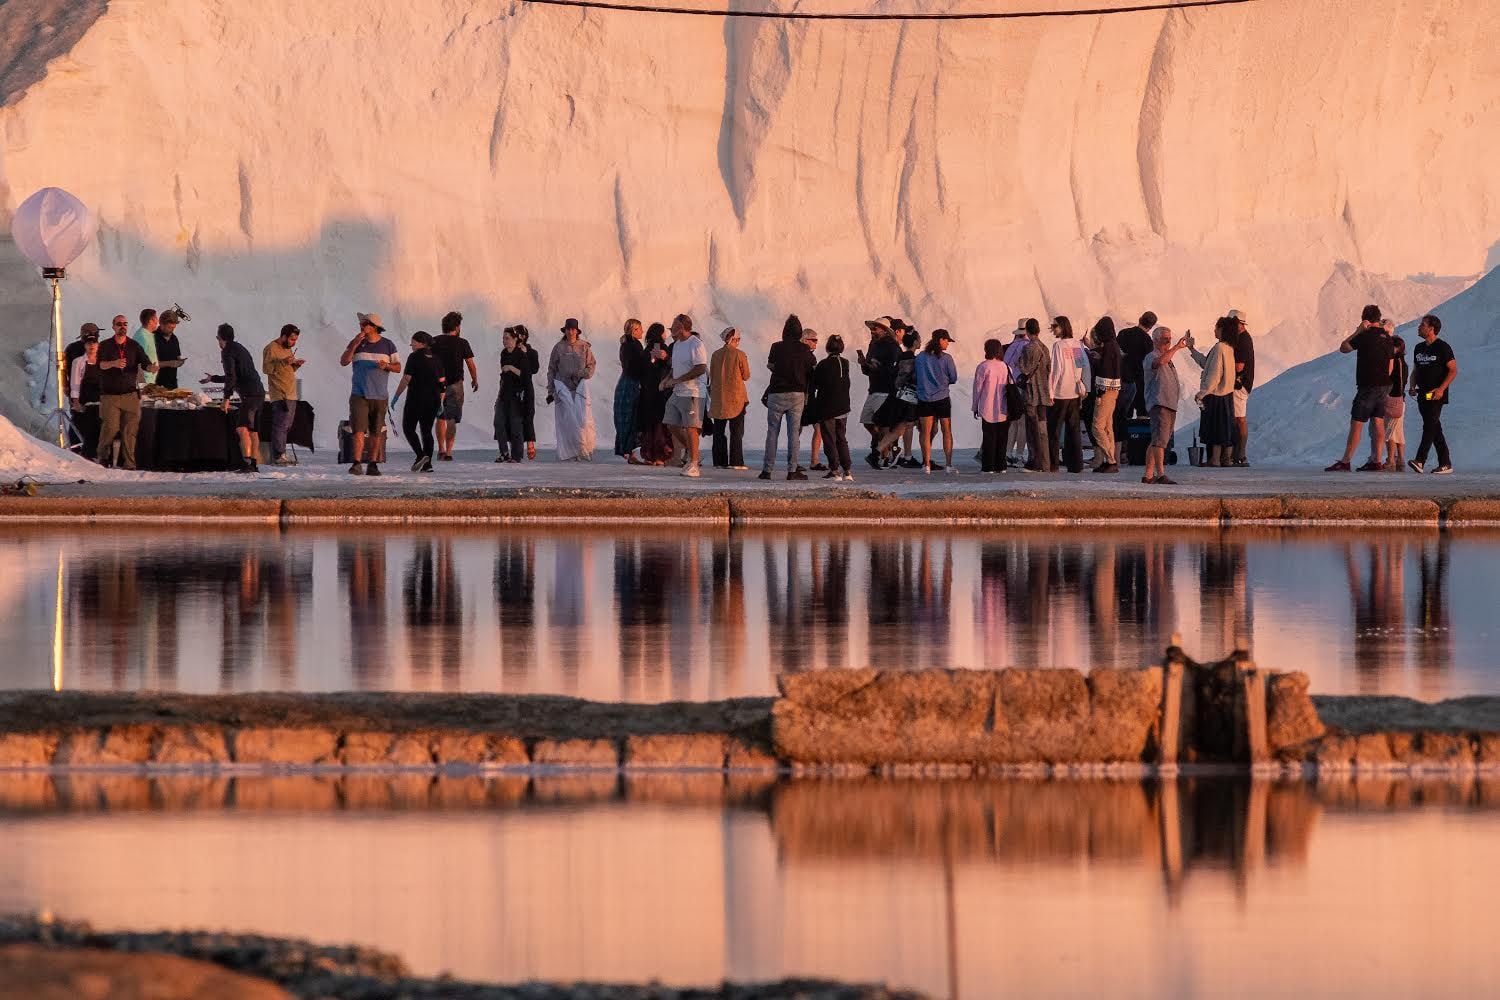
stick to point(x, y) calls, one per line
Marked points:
point(666, 610)
point(975, 889)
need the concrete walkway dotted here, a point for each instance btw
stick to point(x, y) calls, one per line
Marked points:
point(474, 487)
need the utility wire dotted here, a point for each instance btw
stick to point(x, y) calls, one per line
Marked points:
point(790, 15)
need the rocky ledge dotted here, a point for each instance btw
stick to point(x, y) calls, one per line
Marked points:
point(843, 721)
point(45, 958)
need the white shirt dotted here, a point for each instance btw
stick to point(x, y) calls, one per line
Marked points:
point(687, 355)
point(1070, 369)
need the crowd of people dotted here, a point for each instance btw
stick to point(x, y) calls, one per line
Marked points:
point(1039, 404)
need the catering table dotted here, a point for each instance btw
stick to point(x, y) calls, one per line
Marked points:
point(202, 439)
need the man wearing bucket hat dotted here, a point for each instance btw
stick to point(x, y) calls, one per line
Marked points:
point(374, 358)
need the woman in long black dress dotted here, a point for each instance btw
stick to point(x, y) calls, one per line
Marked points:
point(656, 441)
point(628, 389)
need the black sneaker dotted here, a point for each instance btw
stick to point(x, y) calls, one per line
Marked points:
point(1242, 463)
point(796, 477)
point(426, 464)
point(1443, 470)
point(1416, 466)
point(417, 465)
point(764, 474)
point(872, 460)
point(445, 458)
point(372, 469)
point(357, 469)
point(246, 468)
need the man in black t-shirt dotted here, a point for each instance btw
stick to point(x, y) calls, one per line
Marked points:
point(452, 351)
point(168, 349)
point(1135, 347)
point(1432, 373)
point(1371, 347)
point(880, 366)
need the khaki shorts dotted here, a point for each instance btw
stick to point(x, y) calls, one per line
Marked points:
point(1163, 421)
point(1241, 402)
point(873, 402)
point(683, 411)
point(367, 416)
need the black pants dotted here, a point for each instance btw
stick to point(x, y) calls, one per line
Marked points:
point(416, 418)
point(86, 430)
point(1065, 429)
point(729, 441)
point(836, 442)
point(1037, 440)
point(992, 447)
point(511, 426)
point(1432, 430)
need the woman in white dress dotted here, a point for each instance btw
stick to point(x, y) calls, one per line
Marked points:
point(568, 371)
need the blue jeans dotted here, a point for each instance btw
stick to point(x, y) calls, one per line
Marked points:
point(784, 406)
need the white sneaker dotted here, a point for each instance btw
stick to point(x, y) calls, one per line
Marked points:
point(848, 477)
point(691, 471)
point(951, 468)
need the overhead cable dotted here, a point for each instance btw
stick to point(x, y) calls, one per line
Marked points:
point(792, 15)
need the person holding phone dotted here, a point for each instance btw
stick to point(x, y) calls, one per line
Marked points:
point(1433, 370)
point(280, 363)
point(374, 358)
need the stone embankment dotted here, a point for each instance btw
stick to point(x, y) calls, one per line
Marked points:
point(50, 958)
point(1181, 713)
point(600, 506)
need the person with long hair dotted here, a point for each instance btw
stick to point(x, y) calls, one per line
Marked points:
point(628, 388)
point(515, 406)
point(899, 411)
point(1070, 380)
point(1106, 363)
point(655, 440)
point(991, 381)
point(1395, 406)
point(569, 370)
point(936, 375)
point(1216, 396)
point(831, 398)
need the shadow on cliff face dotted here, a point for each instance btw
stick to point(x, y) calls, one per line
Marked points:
point(319, 286)
point(35, 32)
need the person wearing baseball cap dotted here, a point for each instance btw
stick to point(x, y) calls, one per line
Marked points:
point(168, 348)
point(1244, 383)
point(74, 351)
point(83, 392)
point(374, 358)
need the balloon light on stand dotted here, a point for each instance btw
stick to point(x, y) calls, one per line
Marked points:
point(52, 228)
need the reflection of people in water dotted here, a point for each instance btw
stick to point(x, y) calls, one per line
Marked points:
point(434, 615)
point(361, 564)
point(1379, 611)
point(567, 608)
point(727, 613)
point(786, 603)
point(1224, 590)
point(1435, 640)
point(515, 601)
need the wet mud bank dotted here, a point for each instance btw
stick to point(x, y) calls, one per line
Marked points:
point(748, 507)
point(1228, 714)
point(40, 957)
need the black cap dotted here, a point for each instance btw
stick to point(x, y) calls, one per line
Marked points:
point(941, 334)
point(1370, 315)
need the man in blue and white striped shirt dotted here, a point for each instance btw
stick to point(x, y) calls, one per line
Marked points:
point(374, 359)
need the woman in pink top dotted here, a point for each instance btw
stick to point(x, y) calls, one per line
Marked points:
point(990, 380)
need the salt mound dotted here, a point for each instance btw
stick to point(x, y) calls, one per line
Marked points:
point(1301, 417)
point(23, 455)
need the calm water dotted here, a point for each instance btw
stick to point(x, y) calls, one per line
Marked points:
point(677, 612)
point(965, 889)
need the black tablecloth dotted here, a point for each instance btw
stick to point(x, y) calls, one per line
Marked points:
point(203, 440)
